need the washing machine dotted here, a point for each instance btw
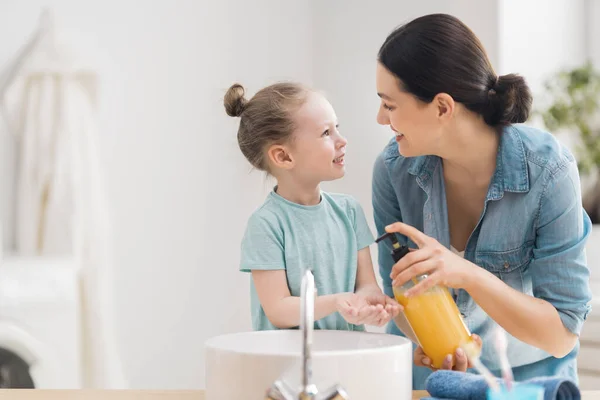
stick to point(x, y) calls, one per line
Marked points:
point(40, 323)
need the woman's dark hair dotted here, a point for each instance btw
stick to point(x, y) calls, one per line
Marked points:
point(438, 53)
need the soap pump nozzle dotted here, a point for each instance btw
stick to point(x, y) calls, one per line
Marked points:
point(398, 250)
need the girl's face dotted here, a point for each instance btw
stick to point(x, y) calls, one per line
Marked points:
point(416, 124)
point(317, 148)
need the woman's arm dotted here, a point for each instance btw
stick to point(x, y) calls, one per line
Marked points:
point(551, 319)
point(529, 319)
point(532, 320)
point(559, 274)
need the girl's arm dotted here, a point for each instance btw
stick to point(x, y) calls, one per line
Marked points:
point(263, 256)
point(282, 309)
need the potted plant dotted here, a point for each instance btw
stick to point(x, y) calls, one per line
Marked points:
point(573, 109)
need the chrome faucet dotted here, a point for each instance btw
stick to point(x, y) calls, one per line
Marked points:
point(308, 391)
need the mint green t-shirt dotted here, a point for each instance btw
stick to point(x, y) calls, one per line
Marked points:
point(325, 237)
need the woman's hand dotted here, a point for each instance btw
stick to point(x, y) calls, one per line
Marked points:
point(459, 362)
point(442, 266)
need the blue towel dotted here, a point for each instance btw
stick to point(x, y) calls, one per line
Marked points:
point(455, 385)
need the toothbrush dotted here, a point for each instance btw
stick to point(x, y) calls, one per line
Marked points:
point(472, 353)
point(500, 343)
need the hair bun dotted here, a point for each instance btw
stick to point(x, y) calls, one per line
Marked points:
point(510, 101)
point(234, 101)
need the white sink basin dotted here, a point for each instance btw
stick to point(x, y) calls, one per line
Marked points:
point(367, 365)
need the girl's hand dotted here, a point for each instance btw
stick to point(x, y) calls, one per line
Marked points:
point(354, 308)
point(442, 266)
point(389, 307)
point(371, 309)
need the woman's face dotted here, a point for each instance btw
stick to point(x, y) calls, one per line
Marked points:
point(417, 125)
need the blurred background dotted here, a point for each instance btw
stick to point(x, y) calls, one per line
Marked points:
point(132, 91)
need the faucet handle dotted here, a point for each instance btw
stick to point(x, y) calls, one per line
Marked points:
point(334, 393)
point(280, 391)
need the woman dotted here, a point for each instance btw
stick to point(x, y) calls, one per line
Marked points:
point(492, 209)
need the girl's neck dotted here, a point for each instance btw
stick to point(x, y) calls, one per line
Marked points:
point(298, 192)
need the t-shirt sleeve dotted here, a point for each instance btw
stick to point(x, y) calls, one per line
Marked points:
point(364, 236)
point(262, 245)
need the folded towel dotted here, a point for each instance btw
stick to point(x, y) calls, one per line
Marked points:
point(455, 385)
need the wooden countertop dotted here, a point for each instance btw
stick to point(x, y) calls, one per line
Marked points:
point(40, 394)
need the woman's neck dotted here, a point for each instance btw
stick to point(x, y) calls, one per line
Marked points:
point(298, 192)
point(469, 154)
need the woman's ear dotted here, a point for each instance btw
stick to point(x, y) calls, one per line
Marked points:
point(445, 105)
point(279, 156)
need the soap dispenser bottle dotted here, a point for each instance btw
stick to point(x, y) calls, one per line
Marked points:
point(432, 315)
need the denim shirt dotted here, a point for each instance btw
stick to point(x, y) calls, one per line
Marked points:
point(531, 235)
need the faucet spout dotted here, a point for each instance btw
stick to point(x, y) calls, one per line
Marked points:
point(307, 321)
point(308, 390)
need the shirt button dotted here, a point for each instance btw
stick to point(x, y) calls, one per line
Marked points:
point(428, 217)
point(506, 264)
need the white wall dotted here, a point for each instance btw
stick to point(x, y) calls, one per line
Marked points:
point(179, 188)
point(537, 41)
point(593, 30)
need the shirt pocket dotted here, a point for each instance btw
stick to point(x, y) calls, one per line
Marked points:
point(508, 265)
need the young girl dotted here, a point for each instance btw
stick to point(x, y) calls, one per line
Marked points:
point(291, 132)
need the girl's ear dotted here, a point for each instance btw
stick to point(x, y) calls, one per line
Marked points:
point(279, 156)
